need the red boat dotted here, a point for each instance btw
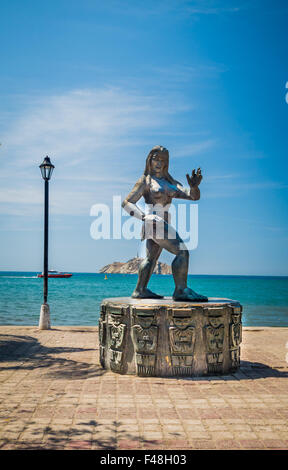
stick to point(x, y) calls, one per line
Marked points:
point(55, 274)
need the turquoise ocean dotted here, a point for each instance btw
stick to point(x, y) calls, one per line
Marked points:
point(76, 301)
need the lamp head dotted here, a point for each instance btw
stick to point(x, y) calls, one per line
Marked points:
point(46, 168)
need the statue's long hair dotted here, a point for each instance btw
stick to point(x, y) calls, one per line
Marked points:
point(147, 171)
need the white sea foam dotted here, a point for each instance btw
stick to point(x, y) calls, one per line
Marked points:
point(20, 277)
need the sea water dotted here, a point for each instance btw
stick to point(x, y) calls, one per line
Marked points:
point(76, 301)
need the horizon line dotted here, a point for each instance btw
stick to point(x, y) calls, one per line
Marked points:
point(154, 274)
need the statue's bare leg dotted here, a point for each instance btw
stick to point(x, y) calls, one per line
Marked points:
point(146, 269)
point(180, 272)
point(180, 266)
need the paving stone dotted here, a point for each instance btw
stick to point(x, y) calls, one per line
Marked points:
point(251, 444)
point(273, 443)
point(203, 444)
point(125, 444)
point(226, 444)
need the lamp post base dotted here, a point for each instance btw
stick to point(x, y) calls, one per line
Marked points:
point(44, 321)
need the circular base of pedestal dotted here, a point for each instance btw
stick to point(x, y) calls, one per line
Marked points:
point(165, 338)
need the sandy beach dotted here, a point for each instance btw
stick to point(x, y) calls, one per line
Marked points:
point(55, 395)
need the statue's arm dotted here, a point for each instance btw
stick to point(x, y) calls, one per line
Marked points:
point(194, 192)
point(129, 203)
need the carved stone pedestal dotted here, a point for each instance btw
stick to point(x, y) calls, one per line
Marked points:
point(164, 338)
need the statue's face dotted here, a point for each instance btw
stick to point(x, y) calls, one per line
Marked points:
point(158, 161)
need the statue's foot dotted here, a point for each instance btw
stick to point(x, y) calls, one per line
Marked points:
point(189, 294)
point(145, 294)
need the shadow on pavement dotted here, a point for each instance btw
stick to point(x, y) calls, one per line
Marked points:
point(30, 354)
point(83, 435)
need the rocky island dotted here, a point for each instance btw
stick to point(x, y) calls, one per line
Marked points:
point(132, 266)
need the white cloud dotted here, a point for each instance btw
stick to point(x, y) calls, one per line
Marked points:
point(223, 177)
point(79, 123)
point(176, 73)
point(194, 148)
point(243, 186)
point(88, 134)
point(178, 7)
point(25, 196)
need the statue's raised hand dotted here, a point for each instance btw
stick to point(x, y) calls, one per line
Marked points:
point(195, 179)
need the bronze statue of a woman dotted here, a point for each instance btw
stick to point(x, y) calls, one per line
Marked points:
point(158, 188)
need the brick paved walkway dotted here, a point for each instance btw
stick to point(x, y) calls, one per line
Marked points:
point(54, 395)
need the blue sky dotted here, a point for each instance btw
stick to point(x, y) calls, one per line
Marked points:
point(95, 85)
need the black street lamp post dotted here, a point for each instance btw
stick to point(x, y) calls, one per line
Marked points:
point(46, 170)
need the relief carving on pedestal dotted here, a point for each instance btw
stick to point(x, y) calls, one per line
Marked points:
point(235, 337)
point(102, 336)
point(214, 338)
point(117, 329)
point(144, 337)
point(182, 342)
point(235, 358)
point(116, 335)
point(116, 360)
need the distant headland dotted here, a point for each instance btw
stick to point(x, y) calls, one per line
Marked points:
point(132, 266)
